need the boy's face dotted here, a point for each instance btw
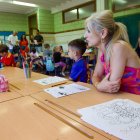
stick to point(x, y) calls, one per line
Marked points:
point(71, 53)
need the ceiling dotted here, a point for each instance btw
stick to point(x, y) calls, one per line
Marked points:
point(53, 5)
point(8, 6)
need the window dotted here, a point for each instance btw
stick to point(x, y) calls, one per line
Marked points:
point(79, 12)
point(71, 15)
point(120, 5)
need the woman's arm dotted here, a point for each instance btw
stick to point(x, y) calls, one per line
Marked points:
point(98, 72)
point(118, 61)
point(111, 82)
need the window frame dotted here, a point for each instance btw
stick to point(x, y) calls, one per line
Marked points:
point(123, 9)
point(77, 8)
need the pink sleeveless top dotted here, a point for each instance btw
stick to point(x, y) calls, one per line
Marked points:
point(130, 81)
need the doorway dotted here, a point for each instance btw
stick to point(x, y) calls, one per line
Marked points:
point(32, 22)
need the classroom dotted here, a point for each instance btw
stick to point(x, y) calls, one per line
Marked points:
point(69, 69)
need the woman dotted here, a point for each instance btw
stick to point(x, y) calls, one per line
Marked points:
point(117, 61)
point(23, 44)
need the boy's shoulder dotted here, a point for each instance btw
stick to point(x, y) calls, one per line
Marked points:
point(81, 63)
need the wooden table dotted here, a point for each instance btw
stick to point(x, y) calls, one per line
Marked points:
point(23, 85)
point(80, 100)
point(20, 119)
point(10, 95)
point(27, 112)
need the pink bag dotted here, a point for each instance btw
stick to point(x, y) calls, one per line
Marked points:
point(4, 86)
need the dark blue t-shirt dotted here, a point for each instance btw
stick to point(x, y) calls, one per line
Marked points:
point(79, 71)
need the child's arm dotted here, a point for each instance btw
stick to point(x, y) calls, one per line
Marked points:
point(13, 61)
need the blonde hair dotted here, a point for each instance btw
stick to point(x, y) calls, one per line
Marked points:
point(116, 31)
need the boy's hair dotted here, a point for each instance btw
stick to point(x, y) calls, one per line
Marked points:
point(3, 48)
point(78, 44)
point(33, 50)
point(46, 45)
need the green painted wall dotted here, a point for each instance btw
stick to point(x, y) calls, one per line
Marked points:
point(59, 26)
point(10, 22)
point(127, 12)
point(45, 20)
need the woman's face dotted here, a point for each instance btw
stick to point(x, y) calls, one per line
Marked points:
point(23, 36)
point(92, 38)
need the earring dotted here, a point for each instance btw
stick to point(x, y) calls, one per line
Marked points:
point(102, 40)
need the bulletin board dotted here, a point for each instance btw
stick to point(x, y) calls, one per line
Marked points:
point(4, 35)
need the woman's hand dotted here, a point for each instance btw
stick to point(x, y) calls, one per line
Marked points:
point(108, 86)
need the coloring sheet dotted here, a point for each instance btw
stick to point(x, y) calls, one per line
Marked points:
point(65, 90)
point(120, 117)
point(49, 80)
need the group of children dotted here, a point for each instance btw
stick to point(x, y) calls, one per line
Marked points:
point(76, 49)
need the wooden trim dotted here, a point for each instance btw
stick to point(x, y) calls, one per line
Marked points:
point(120, 10)
point(62, 31)
point(12, 31)
point(47, 32)
point(77, 7)
point(75, 20)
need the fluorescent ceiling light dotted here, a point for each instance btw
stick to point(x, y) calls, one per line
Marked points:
point(81, 11)
point(75, 11)
point(121, 1)
point(24, 3)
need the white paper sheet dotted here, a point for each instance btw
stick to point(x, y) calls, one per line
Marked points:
point(66, 90)
point(49, 80)
point(120, 117)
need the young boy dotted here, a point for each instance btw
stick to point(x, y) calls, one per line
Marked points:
point(6, 57)
point(76, 49)
point(47, 50)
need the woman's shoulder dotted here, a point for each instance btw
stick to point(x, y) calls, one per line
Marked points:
point(120, 45)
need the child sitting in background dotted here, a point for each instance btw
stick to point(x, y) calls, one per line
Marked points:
point(60, 49)
point(47, 52)
point(76, 48)
point(91, 52)
point(57, 60)
point(6, 57)
point(16, 52)
point(35, 59)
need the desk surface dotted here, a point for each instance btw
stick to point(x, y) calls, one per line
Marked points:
point(22, 85)
point(20, 119)
point(12, 94)
point(81, 100)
